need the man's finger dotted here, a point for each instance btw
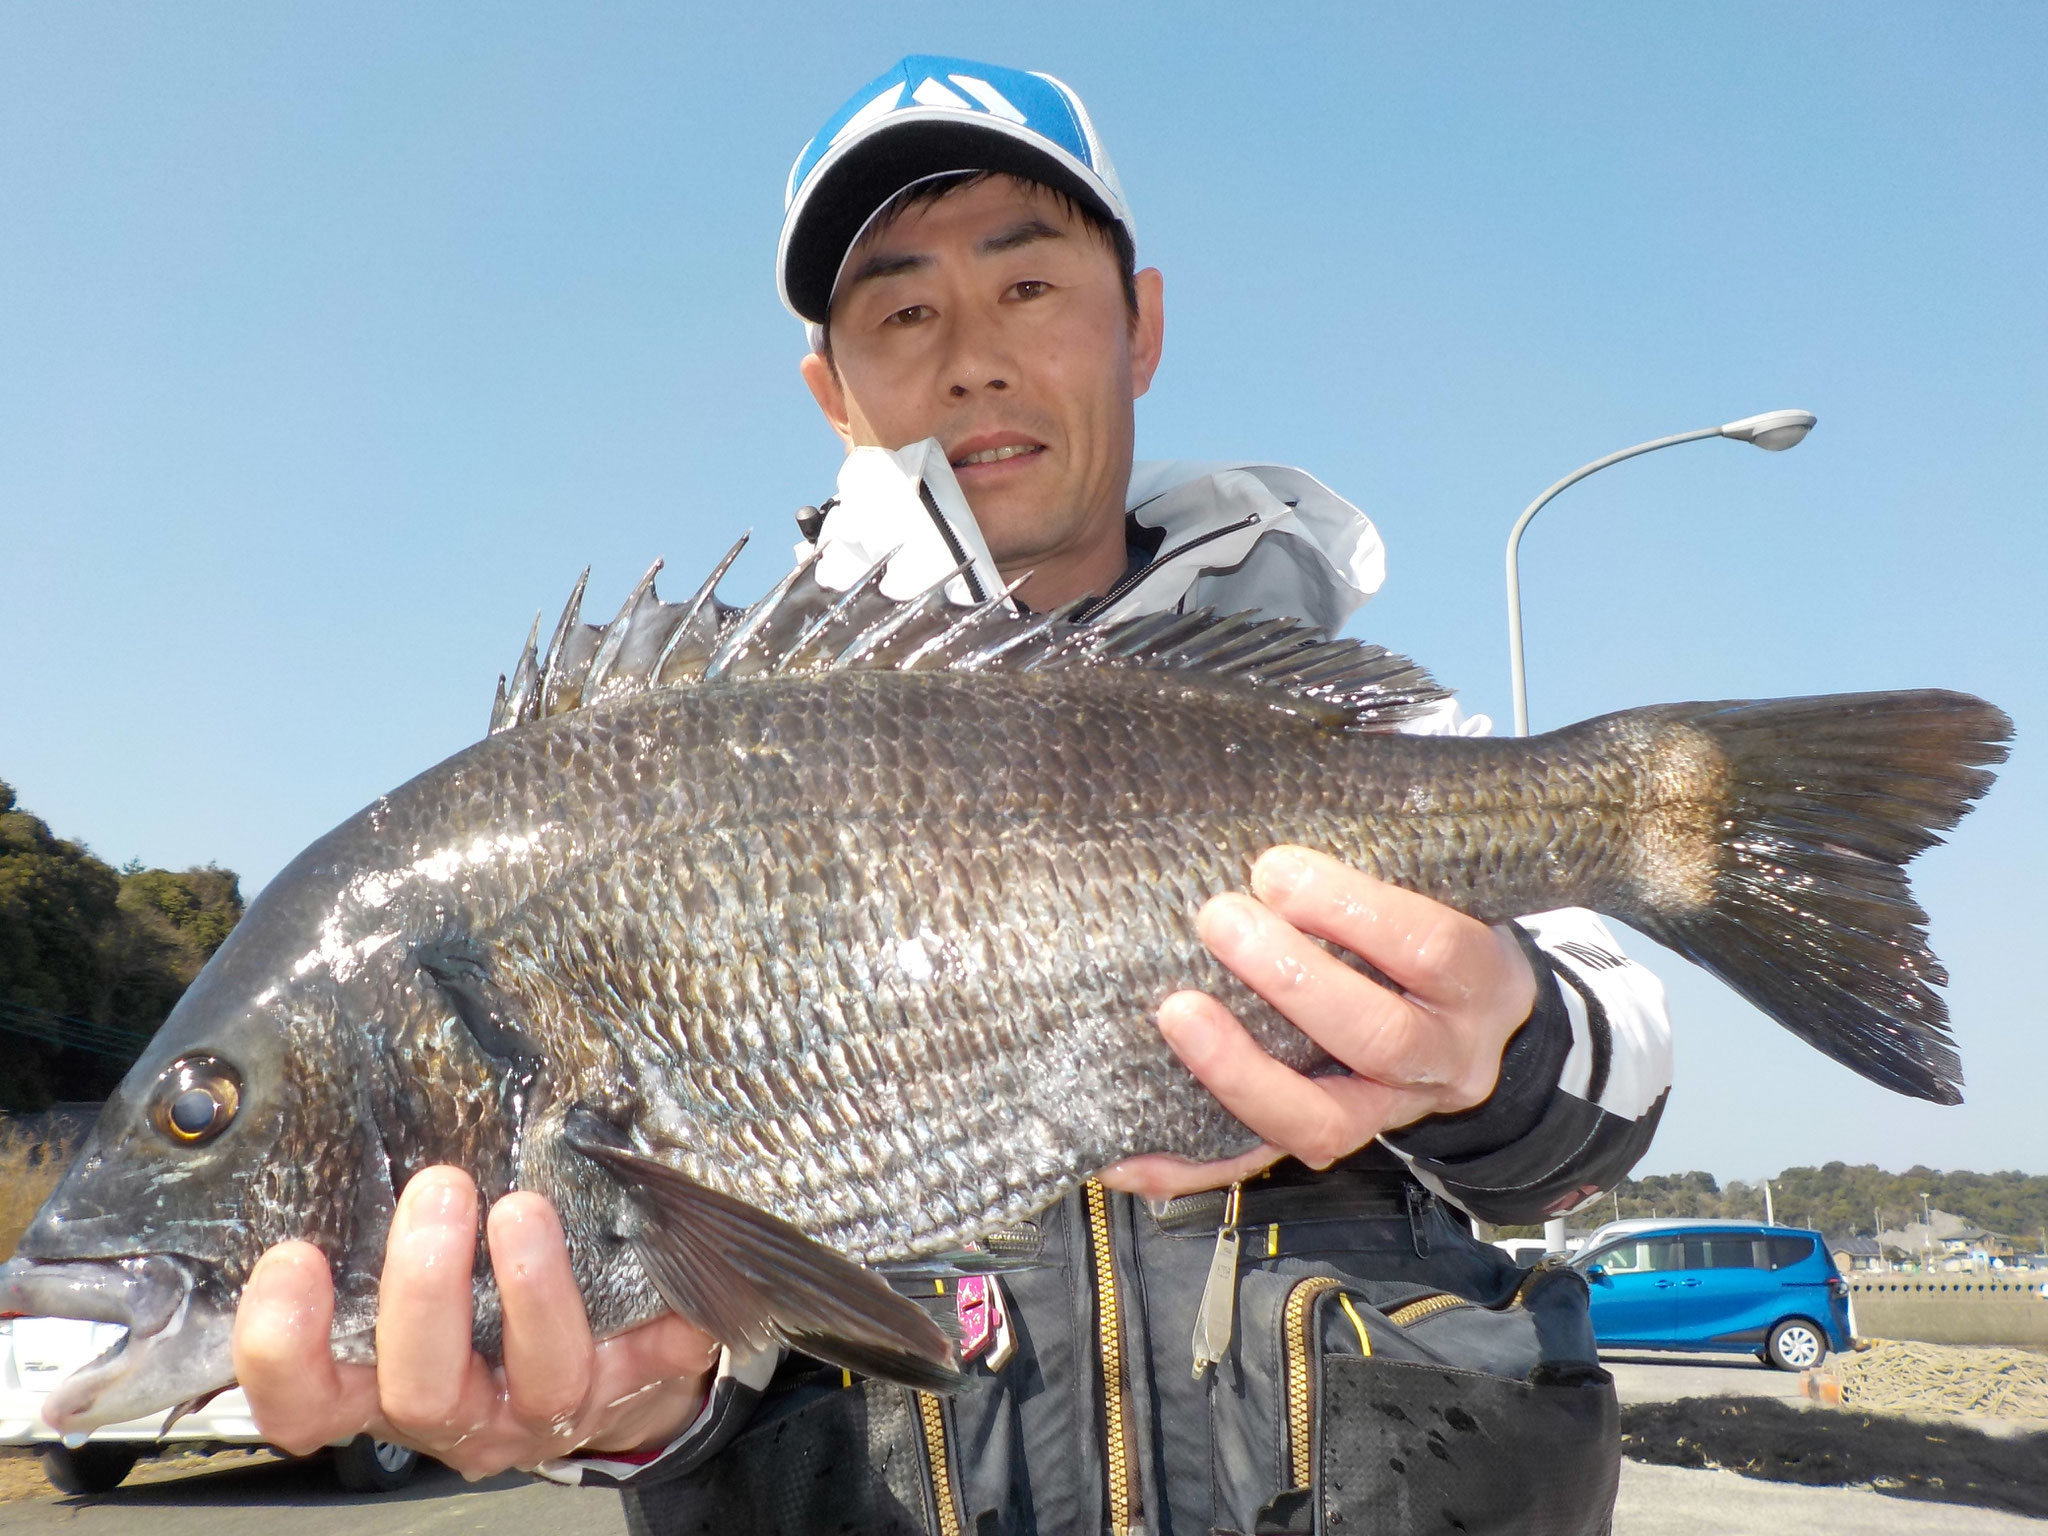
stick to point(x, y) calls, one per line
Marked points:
point(548, 1348)
point(1162, 1176)
point(1441, 956)
point(1304, 1116)
point(424, 1309)
point(1371, 1030)
point(298, 1395)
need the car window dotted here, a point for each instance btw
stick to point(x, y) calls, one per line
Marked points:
point(1635, 1258)
point(1787, 1251)
point(1723, 1252)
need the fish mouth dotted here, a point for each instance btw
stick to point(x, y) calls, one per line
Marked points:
point(178, 1351)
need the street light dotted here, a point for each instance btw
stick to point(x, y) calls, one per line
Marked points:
point(1773, 431)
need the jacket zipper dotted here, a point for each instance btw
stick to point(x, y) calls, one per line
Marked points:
point(1128, 583)
point(1109, 1330)
point(953, 545)
point(1301, 1386)
point(932, 1412)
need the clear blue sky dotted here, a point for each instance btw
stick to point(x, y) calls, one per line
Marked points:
point(335, 340)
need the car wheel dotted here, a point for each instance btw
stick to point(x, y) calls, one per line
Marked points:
point(1797, 1345)
point(365, 1465)
point(90, 1468)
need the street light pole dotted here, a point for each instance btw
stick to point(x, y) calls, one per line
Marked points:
point(1772, 431)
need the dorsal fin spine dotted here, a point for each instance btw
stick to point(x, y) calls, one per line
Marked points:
point(734, 645)
point(974, 661)
point(616, 632)
point(551, 669)
point(871, 577)
point(520, 705)
point(961, 627)
point(705, 593)
point(875, 636)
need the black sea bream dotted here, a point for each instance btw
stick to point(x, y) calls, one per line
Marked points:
point(773, 943)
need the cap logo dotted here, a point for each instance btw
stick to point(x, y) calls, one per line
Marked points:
point(991, 99)
point(881, 106)
point(932, 94)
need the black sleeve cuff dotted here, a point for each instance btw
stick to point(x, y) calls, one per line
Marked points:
point(1529, 1070)
point(1578, 1150)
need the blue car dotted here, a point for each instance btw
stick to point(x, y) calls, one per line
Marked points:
point(1734, 1287)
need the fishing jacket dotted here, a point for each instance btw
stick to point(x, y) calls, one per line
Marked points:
point(1385, 1368)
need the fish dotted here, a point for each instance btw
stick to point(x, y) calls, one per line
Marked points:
point(779, 944)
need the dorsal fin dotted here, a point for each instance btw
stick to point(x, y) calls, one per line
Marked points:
point(804, 626)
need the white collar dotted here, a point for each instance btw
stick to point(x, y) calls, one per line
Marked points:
point(1219, 521)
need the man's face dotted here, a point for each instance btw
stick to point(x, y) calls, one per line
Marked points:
point(994, 320)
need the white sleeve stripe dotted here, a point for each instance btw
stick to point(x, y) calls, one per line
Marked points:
point(1577, 1075)
point(1631, 997)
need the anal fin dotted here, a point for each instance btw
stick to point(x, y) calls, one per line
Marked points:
point(750, 1279)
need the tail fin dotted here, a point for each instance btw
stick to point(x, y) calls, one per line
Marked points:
point(1800, 901)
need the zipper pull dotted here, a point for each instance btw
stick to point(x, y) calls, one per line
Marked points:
point(1419, 1201)
point(1215, 1320)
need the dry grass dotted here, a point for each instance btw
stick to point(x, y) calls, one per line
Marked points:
point(21, 1476)
point(34, 1152)
point(1891, 1376)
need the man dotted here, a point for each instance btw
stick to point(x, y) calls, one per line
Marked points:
point(960, 248)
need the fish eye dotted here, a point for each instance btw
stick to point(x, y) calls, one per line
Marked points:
point(196, 1099)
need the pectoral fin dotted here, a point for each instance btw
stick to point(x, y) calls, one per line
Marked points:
point(750, 1279)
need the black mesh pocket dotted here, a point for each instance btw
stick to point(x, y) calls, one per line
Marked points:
point(1351, 1404)
point(1405, 1448)
point(849, 1462)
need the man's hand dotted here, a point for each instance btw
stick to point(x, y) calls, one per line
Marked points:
point(1433, 1048)
point(557, 1391)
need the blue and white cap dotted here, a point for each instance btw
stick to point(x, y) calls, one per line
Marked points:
point(929, 117)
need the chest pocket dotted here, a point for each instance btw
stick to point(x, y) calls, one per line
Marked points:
point(1351, 1405)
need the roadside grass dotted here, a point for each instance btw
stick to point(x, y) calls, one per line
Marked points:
point(34, 1152)
point(21, 1476)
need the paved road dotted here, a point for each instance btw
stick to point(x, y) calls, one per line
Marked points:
point(1645, 1377)
point(1655, 1501)
point(301, 1498)
point(1674, 1501)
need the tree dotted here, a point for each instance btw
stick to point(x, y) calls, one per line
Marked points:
point(80, 939)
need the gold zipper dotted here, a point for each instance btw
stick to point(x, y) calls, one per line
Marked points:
point(1294, 1326)
point(1300, 1372)
point(1109, 1326)
point(933, 1414)
point(1424, 1306)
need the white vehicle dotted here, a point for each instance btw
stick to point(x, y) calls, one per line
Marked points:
point(38, 1352)
point(1523, 1250)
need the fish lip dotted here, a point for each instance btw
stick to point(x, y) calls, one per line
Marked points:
point(178, 1345)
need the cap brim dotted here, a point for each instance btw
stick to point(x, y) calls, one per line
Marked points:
point(843, 194)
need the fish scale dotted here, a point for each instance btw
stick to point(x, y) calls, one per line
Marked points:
point(1063, 868)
